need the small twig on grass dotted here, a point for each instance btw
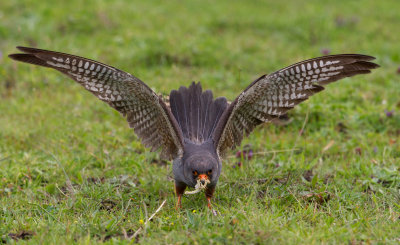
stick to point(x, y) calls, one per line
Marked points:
point(125, 233)
point(328, 146)
point(145, 223)
point(145, 210)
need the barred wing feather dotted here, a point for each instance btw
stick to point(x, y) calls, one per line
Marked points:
point(273, 95)
point(146, 112)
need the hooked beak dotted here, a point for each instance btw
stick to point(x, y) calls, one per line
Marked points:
point(203, 178)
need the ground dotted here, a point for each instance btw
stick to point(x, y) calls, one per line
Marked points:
point(73, 172)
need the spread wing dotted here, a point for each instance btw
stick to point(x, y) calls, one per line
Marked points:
point(273, 95)
point(146, 113)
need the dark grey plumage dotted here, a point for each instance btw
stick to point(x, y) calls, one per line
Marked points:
point(197, 115)
point(195, 130)
point(196, 112)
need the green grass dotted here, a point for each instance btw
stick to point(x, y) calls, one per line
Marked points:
point(73, 172)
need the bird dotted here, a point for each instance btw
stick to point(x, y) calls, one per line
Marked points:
point(195, 130)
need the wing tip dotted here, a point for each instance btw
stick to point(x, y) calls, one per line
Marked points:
point(20, 57)
point(365, 65)
point(27, 50)
point(14, 56)
point(359, 57)
point(26, 56)
point(29, 58)
point(372, 65)
point(365, 57)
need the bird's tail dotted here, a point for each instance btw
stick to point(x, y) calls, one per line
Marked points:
point(196, 111)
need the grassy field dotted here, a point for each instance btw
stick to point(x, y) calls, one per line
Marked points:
point(71, 170)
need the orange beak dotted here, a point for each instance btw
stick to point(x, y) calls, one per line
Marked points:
point(203, 178)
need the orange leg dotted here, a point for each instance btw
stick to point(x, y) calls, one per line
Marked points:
point(209, 193)
point(179, 189)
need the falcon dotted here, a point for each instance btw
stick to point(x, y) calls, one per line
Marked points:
point(195, 130)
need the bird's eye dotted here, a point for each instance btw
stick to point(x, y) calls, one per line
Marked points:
point(194, 172)
point(209, 172)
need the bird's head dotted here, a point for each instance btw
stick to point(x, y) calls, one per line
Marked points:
point(203, 167)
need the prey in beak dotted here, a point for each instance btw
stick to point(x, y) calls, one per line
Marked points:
point(201, 184)
point(203, 179)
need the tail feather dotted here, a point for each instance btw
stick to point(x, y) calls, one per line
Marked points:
point(196, 111)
